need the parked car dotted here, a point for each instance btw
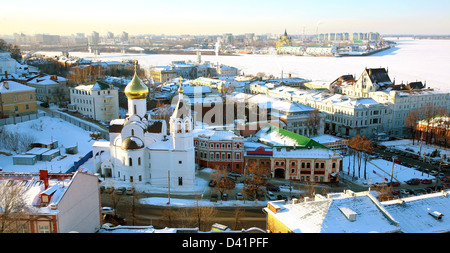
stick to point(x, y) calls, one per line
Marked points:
point(271, 196)
point(109, 189)
point(212, 183)
point(286, 186)
point(393, 184)
point(413, 181)
point(225, 196)
point(44, 104)
point(427, 181)
point(130, 190)
point(120, 190)
point(107, 210)
point(213, 197)
point(239, 196)
point(273, 188)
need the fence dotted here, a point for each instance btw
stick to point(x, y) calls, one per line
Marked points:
point(80, 162)
point(19, 119)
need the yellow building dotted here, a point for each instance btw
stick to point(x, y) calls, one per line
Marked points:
point(16, 99)
point(284, 40)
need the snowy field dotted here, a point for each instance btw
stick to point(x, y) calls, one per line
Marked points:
point(408, 144)
point(410, 60)
point(46, 129)
point(379, 170)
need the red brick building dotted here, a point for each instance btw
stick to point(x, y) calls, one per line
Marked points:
point(219, 148)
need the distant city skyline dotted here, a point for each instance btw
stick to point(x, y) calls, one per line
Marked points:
point(201, 17)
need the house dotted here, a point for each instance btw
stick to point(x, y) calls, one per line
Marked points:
point(54, 202)
point(294, 157)
point(50, 88)
point(346, 212)
point(220, 148)
point(16, 99)
point(96, 100)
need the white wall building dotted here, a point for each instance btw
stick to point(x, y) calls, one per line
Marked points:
point(141, 151)
point(99, 101)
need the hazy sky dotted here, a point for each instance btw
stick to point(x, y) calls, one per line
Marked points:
point(225, 16)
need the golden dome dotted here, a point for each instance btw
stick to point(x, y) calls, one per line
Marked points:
point(136, 89)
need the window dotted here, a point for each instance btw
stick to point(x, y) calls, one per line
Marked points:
point(180, 162)
point(44, 229)
point(303, 165)
point(180, 180)
point(238, 156)
point(212, 156)
point(139, 161)
point(130, 161)
point(322, 165)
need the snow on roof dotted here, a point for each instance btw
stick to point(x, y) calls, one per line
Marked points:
point(216, 135)
point(11, 86)
point(327, 215)
point(415, 214)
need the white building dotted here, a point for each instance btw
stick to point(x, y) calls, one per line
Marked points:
point(57, 202)
point(141, 151)
point(99, 101)
point(7, 64)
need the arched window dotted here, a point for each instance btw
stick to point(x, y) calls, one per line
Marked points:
point(139, 161)
point(130, 161)
point(132, 132)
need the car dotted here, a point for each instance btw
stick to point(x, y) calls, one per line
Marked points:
point(286, 186)
point(393, 184)
point(212, 183)
point(44, 104)
point(271, 196)
point(130, 190)
point(427, 181)
point(411, 191)
point(213, 197)
point(107, 210)
point(413, 181)
point(234, 174)
point(239, 196)
point(273, 188)
point(109, 189)
point(120, 190)
point(225, 196)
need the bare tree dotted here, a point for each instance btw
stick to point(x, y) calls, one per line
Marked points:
point(12, 207)
point(199, 216)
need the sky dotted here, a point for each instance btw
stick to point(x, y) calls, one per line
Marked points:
point(197, 17)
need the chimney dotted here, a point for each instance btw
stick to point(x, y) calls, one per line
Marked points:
point(43, 175)
point(6, 74)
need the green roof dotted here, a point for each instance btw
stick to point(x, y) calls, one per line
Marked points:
point(302, 141)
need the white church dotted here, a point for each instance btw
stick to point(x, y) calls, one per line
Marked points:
point(141, 150)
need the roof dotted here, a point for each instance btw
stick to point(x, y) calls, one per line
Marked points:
point(11, 86)
point(132, 143)
point(280, 137)
point(379, 76)
point(415, 213)
point(360, 213)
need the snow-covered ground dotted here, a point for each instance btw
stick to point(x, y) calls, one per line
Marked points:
point(46, 129)
point(410, 60)
point(405, 144)
point(379, 170)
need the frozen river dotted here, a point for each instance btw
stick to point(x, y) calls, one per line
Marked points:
point(411, 60)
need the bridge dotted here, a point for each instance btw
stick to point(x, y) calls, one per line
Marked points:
point(92, 48)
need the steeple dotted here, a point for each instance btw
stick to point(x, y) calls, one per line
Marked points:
point(136, 89)
point(136, 93)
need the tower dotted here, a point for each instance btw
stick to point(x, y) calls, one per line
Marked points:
point(181, 123)
point(136, 93)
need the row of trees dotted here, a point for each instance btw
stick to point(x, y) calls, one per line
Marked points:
point(359, 148)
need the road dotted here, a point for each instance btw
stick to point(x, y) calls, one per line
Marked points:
point(146, 215)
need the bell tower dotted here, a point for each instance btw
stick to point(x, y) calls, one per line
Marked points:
point(181, 123)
